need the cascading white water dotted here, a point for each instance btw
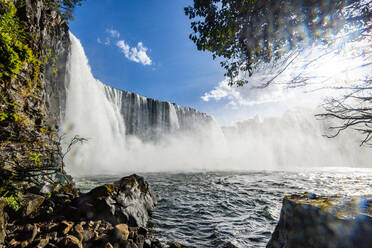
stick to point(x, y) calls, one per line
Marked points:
point(116, 123)
point(130, 133)
point(91, 114)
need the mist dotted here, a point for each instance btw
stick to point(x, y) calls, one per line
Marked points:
point(289, 141)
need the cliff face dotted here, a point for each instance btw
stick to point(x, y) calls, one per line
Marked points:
point(28, 103)
point(149, 119)
point(314, 221)
point(34, 105)
point(51, 34)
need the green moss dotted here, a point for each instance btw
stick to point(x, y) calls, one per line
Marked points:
point(8, 116)
point(109, 188)
point(12, 201)
point(14, 51)
point(36, 158)
point(3, 116)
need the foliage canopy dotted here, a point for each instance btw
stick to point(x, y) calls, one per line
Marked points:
point(14, 51)
point(247, 32)
point(65, 7)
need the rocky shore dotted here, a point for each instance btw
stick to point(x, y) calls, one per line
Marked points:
point(112, 215)
point(309, 220)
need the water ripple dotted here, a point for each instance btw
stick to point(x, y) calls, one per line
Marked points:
point(221, 209)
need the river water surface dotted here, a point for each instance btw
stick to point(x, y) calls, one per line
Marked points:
point(233, 209)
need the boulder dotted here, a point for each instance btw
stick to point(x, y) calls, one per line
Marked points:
point(43, 242)
point(121, 231)
point(66, 226)
point(129, 201)
point(173, 244)
point(71, 241)
point(31, 203)
point(308, 220)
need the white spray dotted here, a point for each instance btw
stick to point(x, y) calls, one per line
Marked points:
point(95, 111)
point(92, 115)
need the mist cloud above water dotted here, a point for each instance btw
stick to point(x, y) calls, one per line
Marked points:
point(289, 141)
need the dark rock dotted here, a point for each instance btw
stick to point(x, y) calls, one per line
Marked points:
point(35, 231)
point(79, 230)
point(65, 227)
point(156, 244)
point(147, 243)
point(2, 222)
point(139, 240)
point(312, 221)
point(72, 242)
point(129, 244)
point(173, 244)
point(121, 231)
point(31, 203)
point(108, 245)
point(88, 235)
point(43, 242)
point(128, 201)
point(37, 106)
point(142, 231)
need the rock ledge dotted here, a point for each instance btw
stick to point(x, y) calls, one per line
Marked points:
point(309, 220)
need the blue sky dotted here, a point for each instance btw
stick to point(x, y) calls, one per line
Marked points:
point(177, 73)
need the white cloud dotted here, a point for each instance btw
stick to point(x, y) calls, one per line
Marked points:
point(319, 68)
point(106, 42)
point(245, 95)
point(113, 33)
point(137, 54)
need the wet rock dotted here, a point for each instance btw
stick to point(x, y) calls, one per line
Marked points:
point(131, 235)
point(173, 244)
point(156, 244)
point(147, 243)
point(142, 231)
point(24, 243)
point(66, 226)
point(72, 242)
point(128, 201)
point(88, 235)
point(108, 245)
point(79, 231)
point(14, 243)
point(43, 242)
point(31, 203)
point(35, 231)
point(129, 244)
point(139, 240)
point(308, 220)
point(121, 231)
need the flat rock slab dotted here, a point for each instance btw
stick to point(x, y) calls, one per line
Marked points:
point(309, 220)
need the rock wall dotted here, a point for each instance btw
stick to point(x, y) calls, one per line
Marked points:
point(313, 221)
point(28, 139)
point(52, 35)
point(149, 119)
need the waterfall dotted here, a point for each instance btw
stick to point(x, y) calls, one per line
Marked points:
point(92, 113)
point(127, 133)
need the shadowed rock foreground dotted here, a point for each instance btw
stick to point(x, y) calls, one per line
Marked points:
point(112, 215)
point(308, 220)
